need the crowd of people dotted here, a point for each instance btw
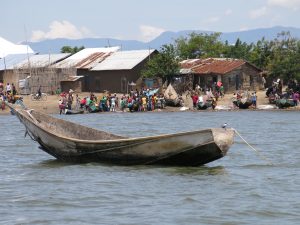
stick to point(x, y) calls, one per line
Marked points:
point(207, 97)
point(292, 92)
point(7, 93)
point(149, 100)
point(144, 100)
point(244, 99)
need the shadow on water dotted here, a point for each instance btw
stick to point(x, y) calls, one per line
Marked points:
point(260, 166)
point(53, 163)
point(200, 170)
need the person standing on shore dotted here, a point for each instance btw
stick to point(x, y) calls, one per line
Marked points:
point(221, 90)
point(77, 107)
point(116, 100)
point(62, 104)
point(1, 87)
point(295, 98)
point(254, 99)
point(113, 103)
point(14, 90)
point(70, 99)
point(195, 100)
point(144, 103)
point(264, 82)
point(2, 98)
point(8, 88)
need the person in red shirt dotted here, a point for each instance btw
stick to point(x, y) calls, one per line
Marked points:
point(82, 102)
point(195, 100)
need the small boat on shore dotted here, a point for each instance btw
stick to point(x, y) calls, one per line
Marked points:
point(71, 142)
point(243, 103)
point(204, 105)
point(284, 103)
point(207, 103)
point(171, 97)
point(73, 111)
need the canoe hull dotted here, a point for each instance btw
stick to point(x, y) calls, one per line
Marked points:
point(284, 103)
point(242, 105)
point(73, 112)
point(181, 149)
point(165, 152)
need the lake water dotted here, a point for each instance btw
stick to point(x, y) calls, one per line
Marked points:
point(241, 188)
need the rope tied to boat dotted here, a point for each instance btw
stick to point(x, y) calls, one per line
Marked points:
point(27, 133)
point(255, 150)
point(28, 111)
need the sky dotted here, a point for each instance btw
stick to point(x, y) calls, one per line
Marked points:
point(143, 20)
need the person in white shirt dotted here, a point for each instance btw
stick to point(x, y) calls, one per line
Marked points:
point(8, 88)
point(113, 104)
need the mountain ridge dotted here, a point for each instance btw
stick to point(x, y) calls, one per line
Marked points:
point(167, 37)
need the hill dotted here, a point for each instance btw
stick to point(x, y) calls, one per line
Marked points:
point(249, 36)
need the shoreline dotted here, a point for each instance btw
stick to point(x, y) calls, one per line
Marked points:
point(50, 106)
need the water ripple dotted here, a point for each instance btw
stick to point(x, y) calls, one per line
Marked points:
point(241, 188)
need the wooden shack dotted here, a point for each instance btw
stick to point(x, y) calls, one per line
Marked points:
point(235, 74)
point(37, 72)
point(118, 71)
point(81, 64)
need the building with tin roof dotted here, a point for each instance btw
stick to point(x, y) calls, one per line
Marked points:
point(118, 72)
point(235, 74)
point(89, 70)
point(86, 58)
point(79, 66)
point(36, 69)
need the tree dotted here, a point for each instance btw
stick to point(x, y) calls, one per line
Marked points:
point(164, 64)
point(240, 50)
point(69, 49)
point(200, 46)
point(285, 58)
point(260, 54)
point(280, 57)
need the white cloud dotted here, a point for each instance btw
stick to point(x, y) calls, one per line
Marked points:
point(58, 29)
point(228, 12)
point(290, 4)
point(244, 28)
point(254, 14)
point(148, 33)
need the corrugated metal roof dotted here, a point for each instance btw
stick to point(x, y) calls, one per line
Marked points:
point(185, 71)
point(9, 62)
point(189, 63)
point(212, 65)
point(86, 58)
point(92, 60)
point(124, 60)
point(37, 61)
point(73, 78)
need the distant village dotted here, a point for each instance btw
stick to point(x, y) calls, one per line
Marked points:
point(113, 70)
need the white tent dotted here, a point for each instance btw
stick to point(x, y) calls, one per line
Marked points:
point(9, 48)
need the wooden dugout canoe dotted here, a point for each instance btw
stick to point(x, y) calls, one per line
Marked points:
point(242, 103)
point(71, 142)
